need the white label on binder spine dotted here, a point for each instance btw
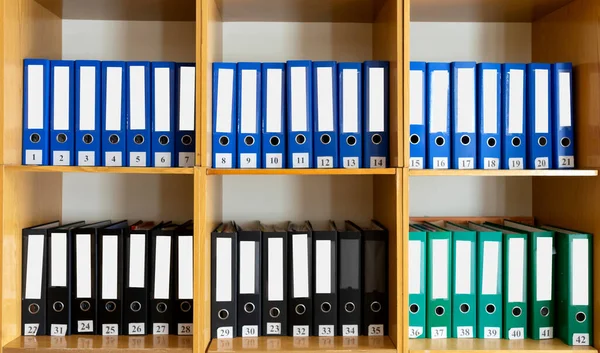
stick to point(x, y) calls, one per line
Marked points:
point(274, 99)
point(247, 267)
point(162, 99)
point(489, 276)
point(323, 266)
point(35, 97)
point(62, 99)
point(376, 99)
point(515, 101)
point(438, 105)
point(114, 100)
point(439, 280)
point(516, 267)
point(137, 260)
point(463, 267)
point(542, 97)
point(83, 260)
point(416, 97)
point(325, 98)
point(350, 100)
point(564, 99)
point(162, 267)
point(223, 271)
point(490, 101)
point(87, 98)
point(300, 265)
point(275, 269)
point(185, 267)
point(248, 103)
point(580, 272)
point(58, 259)
point(544, 268)
point(187, 98)
point(110, 251)
point(35, 266)
point(414, 266)
point(466, 101)
point(137, 98)
point(224, 100)
point(299, 99)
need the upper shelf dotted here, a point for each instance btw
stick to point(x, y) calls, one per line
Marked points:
point(482, 10)
point(114, 170)
point(337, 171)
point(128, 10)
point(503, 172)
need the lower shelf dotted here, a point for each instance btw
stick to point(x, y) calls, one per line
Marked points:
point(303, 344)
point(492, 345)
point(74, 344)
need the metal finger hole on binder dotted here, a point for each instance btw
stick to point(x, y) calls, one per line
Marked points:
point(414, 308)
point(351, 140)
point(223, 140)
point(516, 311)
point(544, 311)
point(249, 308)
point(580, 317)
point(440, 141)
point(274, 313)
point(300, 139)
point(249, 140)
point(114, 139)
point(516, 142)
point(61, 138)
point(186, 140)
point(58, 306)
point(300, 309)
point(223, 314)
point(415, 139)
point(87, 139)
point(349, 307)
point(542, 141)
point(274, 141)
point(565, 142)
point(161, 307)
point(439, 310)
point(325, 307)
point(490, 308)
point(35, 138)
point(34, 308)
point(85, 305)
point(185, 306)
point(465, 140)
point(376, 139)
point(464, 308)
point(138, 139)
point(110, 306)
point(135, 306)
point(491, 142)
point(325, 139)
point(163, 140)
point(375, 307)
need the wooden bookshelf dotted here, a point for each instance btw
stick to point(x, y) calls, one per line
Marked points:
point(360, 171)
point(491, 345)
point(505, 173)
point(113, 170)
point(379, 344)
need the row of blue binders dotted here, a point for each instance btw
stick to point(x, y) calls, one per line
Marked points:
point(110, 113)
point(465, 115)
point(301, 114)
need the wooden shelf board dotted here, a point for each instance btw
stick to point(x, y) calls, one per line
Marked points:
point(492, 345)
point(74, 344)
point(482, 10)
point(303, 344)
point(115, 170)
point(128, 10)
point(480, 172)
point(339, 171)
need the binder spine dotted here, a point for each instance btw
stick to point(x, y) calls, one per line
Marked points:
point(375, 260)
point(350, 283)
point(136, 307)
point(185, 134)
point(489, 105)
point(300, 311)
point(163, 114)
point(224, 102)
point(84, 293)
point(114, 113)
point(464, 120)
point(274, 121)
point(514, 137)
point(376, 105)
point(36, 111)
point(324, 273)
point(350, 114)
point(539, 112)
point(62, 112)
point(418, 126)
point(248, 117)
point(249, 292)
point(275, 284)
point(325, 112)
point(299, 113)
point(438, 116)
point(33, 287)
point(110, 297)
point(88, 110)
point(139, 121)
point(59, 294)
point(224, 284)
point(563, 113)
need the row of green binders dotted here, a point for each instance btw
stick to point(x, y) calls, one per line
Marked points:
point(509, 280)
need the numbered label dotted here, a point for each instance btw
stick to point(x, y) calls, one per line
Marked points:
point(162, 159)
point(516, 333)
point(160, 329)
point(350, 341)
point(31, 329)
point(378, 162)
point(566, 162)
point(58, 330)
point(61, 158)
point(491, 163)
point(110, 329)
point(440, 163)
point(325, 162)
point(250, 331)
point(466, 163)
point(375, 330)
point(349, 330)
point(415, 331)
point(85, 326)
point(581, 339)
point(464, 331)
point(86, 158)
point(491, 332)
point(439, 332)
point(113, 159)
point(137, 328)
point(225, 332)
point(274, 160)
point(351, 162)
point(223, 160)
point(541, 163)
point(546, 333)
point(250, 343)
point(33, 157)
point(273, 328)
point(137, 159)
point(515, 163)
point(185, 329)
point(247, 160)
point(186, 159)
point(326, 330)
point(301, 331)
point(300, 160)
point(416, 163)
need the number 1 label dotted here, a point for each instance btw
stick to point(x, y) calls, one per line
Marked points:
point(33, 157)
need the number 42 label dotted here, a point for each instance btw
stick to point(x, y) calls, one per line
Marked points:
point(581, 339)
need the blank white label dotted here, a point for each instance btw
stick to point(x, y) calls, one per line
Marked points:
point(299, 99)
point(564, 99)
point(414, 266)
point(439, 248)
point(323, 266)
point(438, 104)
point(515, 101)
point(223, 270)
point(62, 100)
point(223, 160)
point(544, 268)
point(248, 160)
point(224, 100)
point(325, 99)
point(185, 267)
point(35, 97)
point(274, 160)
point(83, 261)
point(350, 101)
point(87, 98)
point(542, 97)
point(187, 98)
point(489, 277)
point(137, 98)
point(114, 99)
point(110, 266)
point(247, 267)
point(58, 330)
point(58, 260)
point(249, 102)
point(137, 260)
point(580, 279)
point(162, 99)
point(463, 267)
point(35, 264)
point(490, 101)
point(300, 265)
point(466, 101)
point(376, 99)
point(516, 269)
point(162, 267)
point(274, 100)
point(275, 269)
point(416, 97)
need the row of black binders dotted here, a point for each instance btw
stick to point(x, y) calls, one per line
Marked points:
point(109, 113)
point(465, 115)
point(301, 114)
point(108, 278)
point(299, 280)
